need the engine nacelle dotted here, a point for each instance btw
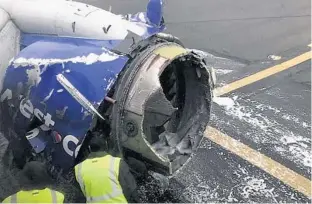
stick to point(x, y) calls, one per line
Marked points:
point(164, 99)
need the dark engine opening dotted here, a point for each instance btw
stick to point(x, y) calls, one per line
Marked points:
point(175, 136)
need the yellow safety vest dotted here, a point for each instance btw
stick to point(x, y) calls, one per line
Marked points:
point(98, 179)
point(36, 196)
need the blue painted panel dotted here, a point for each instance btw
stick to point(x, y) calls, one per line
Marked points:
point(48, 97)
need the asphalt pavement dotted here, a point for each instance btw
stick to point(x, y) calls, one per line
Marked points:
point(245, 30)
point(271, 116)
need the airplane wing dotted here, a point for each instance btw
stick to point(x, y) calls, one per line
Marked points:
point(80, 23)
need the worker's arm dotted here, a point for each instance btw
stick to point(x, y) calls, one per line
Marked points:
point(128, 183)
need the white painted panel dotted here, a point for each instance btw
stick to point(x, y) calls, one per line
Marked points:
point(4, 18)
point(9, 46)
point(64, 18)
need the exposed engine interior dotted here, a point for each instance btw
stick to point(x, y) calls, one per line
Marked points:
point(157, 116)
point(172, 137)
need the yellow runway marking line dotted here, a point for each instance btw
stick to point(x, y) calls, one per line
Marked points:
point(277, 170)
point(262, 74)
point(284, 174)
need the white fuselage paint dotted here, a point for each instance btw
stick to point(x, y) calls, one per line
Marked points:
point(88, 60)
point(6, 95)
point(28, 110)
point(69, 19)
point(65, 18)
point(71, 139)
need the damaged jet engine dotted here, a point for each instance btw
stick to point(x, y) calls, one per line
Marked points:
point(76, 75)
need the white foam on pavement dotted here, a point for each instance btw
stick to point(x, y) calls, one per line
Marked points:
point(285, 141)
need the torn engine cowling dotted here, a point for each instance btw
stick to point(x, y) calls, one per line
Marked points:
point(162, 106)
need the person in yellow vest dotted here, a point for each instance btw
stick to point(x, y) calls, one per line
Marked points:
point(104, 178)
point(34, 181)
